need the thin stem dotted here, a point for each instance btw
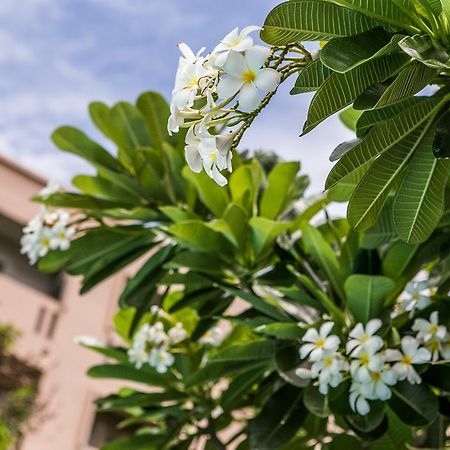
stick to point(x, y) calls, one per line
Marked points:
point(213, 436)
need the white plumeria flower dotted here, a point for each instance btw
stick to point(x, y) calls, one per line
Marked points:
point(445, 348)
point(238, 41)
point(437, 347)
point(247, 79)
point(428, 330)
point(365, 361)
point(160, 359)
point(51, 188)
point(416, 296)
point(358, 401)
point(62, 236)
point(404, 360)
point(137, 356)
point(155, 334)
point(364, 337)
point(213, 337)
point(319, 342)
point(328, 370)
point(202, 153)
point(375, 385)
point(177, 334)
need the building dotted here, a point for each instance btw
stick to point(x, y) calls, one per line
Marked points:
point(49, 313)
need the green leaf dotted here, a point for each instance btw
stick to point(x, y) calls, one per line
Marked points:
point(397, 436)
point(279, 190)
point(128, 373)
point(199, 237)
point(264, 233)
point(100, 115)
point(279, 420)
point(138, 442)
point(109, 190)
point(288, 331)
point(130, 132)
point(315, 402)
point(214, 197)
point(259, 304)
point(350, 117)
point(385, 11)
point(344, 54)
point(409, 82)
point(441, 143)
point(414, 404)
point(323, 254)
point(373, 190)
point(366, 295)
point(140, 285)
point(309, 20)
point(201, 262)
point(384, 137)
point(344, 442)
point(425, 50)
point(438, 376)
point(419, 202)
point(74, 141)
point(156, 113)
point(255, 350)
point(341, 89)
point(311, 78)
point(377, 116)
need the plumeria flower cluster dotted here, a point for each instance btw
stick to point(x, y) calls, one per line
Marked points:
point(48, 230)
point(151, 345)
point(372, 368)
point(213, 337)
point(217, 90)
point(416, 296)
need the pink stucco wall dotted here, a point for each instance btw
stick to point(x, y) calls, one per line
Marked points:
point(65, 392)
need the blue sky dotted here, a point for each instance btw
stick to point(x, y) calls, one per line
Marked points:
point(58, 55)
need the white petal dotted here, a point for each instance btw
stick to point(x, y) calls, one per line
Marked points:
point(373, 326)
point(382, 391)
point(245, 44)
point(221, 60)
point(409, 345)
point(193, 159)
point(422, 356)
point(186, 51)
point(362, 406)
point(393, 355)
point(256, 57)
point(218, 177)
point(267, 80)
point(303, 373)
point(235, 64)
point(231, 37)
point(248, 98)
point(332, 343)
point(325, 329)
point(249, 29)
point(311, 335)
point(228, 87)
point(305, 350)
point(358, 331)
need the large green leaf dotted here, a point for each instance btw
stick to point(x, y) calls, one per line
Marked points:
point(425, 50)
point(197, 236)
point(366, 295)
point(341, 89)
point(344, 54)
point(311, 78)
point(419, 202)
point(74, 141)
point(397, 436)
point(311, 20)
point(371, 193)
point(441, 143)
point(386, 11)
point(100, 114)
point(323, 254)
point(280, 187)
point(264, 233)
point(278, 422)
point(384, 137)
point(414, 404)
point(156, 113)
point(410, 81)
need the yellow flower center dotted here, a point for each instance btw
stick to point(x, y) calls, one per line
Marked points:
point(363, 338)
point(376, 376)
point(320, 343)
point(328, 361)
point(433, 345)
point(46, 242)
point(406, 360)
point(433, 328)
point(193, 83)
point(364, 359)
point(249, 76)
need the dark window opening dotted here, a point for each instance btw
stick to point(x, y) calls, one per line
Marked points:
point(105, 429)
point(16, 266)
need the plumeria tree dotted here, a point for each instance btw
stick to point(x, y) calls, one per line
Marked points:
point(256, 320)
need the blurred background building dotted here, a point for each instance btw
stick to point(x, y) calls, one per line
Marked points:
point(49, 313)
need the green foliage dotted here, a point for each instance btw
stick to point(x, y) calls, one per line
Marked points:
point(378, 55)
point(247, 257)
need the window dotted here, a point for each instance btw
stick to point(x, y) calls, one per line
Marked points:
point(15, 265)
point(105, 429)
